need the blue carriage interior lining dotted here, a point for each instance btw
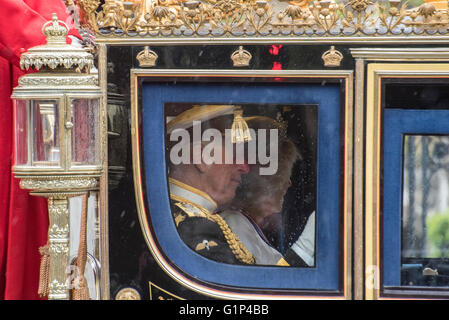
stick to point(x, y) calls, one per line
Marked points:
point(397, 124)
point(327, 99)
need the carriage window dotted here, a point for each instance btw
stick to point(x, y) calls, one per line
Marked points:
point(250, 168)
point(425, 210)
point(415, 186)
point(246, 192)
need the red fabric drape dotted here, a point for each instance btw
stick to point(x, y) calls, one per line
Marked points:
point(23, 218)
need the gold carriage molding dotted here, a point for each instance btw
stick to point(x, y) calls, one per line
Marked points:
point(221, 19)
point(347, 35)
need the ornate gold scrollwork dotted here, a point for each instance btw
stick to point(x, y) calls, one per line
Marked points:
point(57, 288)
point(68, 184)
point(81, 80)
point(90, 7)
point(58, 237)
point(58, 190)
point(163, 18)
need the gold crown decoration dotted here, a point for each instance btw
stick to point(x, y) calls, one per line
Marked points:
point(54, 31)
point(147, 57)
point(332, 57)
point(56, 53)
point(241, 57)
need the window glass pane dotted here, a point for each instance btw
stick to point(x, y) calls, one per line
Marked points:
point(192, 237)
point(21, 122)
point(84, 131)
point(46, 133)
point(262, 186)
point(425, 210)
point(412, 96)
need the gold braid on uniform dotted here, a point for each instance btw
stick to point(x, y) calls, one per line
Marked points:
point(237, 247)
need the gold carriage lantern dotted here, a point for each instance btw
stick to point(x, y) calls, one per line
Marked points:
point(57, 136)
point(57, 109)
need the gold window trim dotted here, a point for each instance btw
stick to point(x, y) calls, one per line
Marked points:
point(347, 75)
point(375, 73)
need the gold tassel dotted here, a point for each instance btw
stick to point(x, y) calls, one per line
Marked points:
point(81, 289)
point(44, 271)
point(240, 130)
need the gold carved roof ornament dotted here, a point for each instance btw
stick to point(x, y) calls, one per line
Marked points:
point(56, 52)
point(211, 19)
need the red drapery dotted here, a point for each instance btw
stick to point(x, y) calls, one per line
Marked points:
point(23, 218)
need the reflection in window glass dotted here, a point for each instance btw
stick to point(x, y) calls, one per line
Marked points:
point(21, 123)
point(84, 132)
point(425, 210)
point(46, 133)
point(242, 181)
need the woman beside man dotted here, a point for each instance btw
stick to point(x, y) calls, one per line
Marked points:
point(260, 196)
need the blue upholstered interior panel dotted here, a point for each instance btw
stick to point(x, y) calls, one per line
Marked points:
point(397, 123)
point(326, 273)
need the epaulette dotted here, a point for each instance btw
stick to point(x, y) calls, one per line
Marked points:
point(188, 210)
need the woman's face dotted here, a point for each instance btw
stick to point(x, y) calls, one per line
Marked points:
point(263, 195)
point(273, 200)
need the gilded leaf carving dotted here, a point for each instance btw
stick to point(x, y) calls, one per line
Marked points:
point(203, 18)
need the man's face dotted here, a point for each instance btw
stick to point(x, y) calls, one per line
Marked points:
point(223, 179)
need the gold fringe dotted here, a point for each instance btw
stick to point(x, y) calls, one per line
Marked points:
point(81, 289)
point(44, 271)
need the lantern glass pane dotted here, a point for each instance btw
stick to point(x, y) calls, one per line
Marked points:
point(46, 145)
point(21, 124)
point(85, 132)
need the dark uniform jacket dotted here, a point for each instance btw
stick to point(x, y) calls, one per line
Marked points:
point(202, 229)
point(207, 233)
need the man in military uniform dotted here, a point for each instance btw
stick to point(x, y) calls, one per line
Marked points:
point(198, 188)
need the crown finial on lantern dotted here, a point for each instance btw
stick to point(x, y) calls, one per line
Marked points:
point(56, 53)
point(54, 31)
